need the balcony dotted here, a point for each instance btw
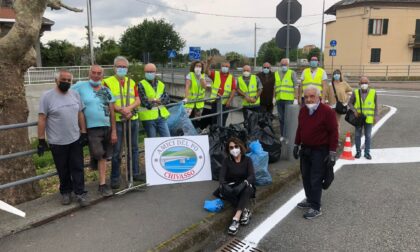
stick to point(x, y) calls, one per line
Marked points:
point(414, 41)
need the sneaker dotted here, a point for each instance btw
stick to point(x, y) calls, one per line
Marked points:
point(246, 215)
point(311, 214)
point(115, 184)
point(358, 154)
point(140, 177)
point(368, 156)
point(304, 205)
point(233, 228)
point(82, 199)
point(65, 199)
point(105, 191)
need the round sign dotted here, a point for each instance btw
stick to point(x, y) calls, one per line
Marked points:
point(281, 37)
point(333, 43)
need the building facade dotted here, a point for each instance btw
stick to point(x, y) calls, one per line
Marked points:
point(374, 36)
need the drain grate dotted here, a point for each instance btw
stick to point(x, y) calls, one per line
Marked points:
point(236, 245)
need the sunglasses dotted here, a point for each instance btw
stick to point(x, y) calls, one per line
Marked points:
point(233, 147)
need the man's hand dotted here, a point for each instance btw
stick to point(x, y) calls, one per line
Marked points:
point(42, 146)
point(228, 104)
point(253, 100)
point(114, 137)
point(356, 114)
point(296, 151)
point(83, 140)
point(125, 111)
point(331, 159)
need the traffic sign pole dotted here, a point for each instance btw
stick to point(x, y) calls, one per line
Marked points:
point(288, 29)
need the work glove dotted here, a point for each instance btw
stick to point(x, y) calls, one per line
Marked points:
point(296, 151)
point(83, 140)
point(42, 146)
point(331, 159)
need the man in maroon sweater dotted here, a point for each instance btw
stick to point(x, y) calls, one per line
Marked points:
point(317, 138)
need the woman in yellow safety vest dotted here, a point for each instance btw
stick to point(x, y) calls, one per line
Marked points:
point(195, 89)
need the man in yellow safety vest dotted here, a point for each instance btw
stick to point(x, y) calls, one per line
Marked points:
point(250, 88)
point(314, 75)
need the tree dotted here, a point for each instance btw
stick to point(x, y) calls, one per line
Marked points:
point(234, 58)
point(107, 51)
point(314, 52)
point(155, 37)
point(61, 53)
point(269, 52)
point(17, 54)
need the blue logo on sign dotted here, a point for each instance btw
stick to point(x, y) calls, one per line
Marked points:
point(171, 54)
point(333, 52)
point(333, 43)
point(195, 53)
point(178, 159)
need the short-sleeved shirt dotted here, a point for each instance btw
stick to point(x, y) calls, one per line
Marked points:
point(96, 104)
point(223, 78)
point(62, 112)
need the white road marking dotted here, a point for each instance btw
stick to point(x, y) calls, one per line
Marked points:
point(409, 96)
point(380, 155)
point(11, 209)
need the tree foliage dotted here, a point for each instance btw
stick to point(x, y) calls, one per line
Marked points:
point(269, 52)
point(155, 37)
point(61, 53)
point(314, 52)
point(106, 52)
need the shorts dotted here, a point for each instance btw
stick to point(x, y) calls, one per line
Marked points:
point(100, 146)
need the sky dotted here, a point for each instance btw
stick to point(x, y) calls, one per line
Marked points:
point(111, 18)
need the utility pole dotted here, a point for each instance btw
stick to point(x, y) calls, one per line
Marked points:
point(322, 36)
point(255, 44)
point(90, 34)
point(288, 29)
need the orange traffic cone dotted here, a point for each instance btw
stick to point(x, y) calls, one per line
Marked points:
point(347, 149)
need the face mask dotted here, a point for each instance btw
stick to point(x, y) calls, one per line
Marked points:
point(64, 86)
point(246, 74)
point(364, 86)
point(314, 63)
point(150, 76)
point(225, 69)
point(95, 83)
point(266, 70)
point(121, 72)
point(337, 76)
point(284, 68)
point(235, 152)
point(197, 70)
point(311, 106)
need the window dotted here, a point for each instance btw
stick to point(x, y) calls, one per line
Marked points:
point(378, 26)
point(416, 54)
point(375, 55)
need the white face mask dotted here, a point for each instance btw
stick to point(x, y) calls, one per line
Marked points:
point(197, 70)
point(246, 74)
point(311, 106)
point(235, 152)
point(225, 69)
point(364, 86)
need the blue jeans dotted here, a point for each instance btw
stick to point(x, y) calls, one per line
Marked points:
point(156, 126)
point(358, 137)
point(116, 160)
point(281, 109)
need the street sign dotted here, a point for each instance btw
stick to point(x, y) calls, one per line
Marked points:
point(333, 52)
point(171, 54)
point(295, 11)
point(195, 53)
point(333, 43)
point(281, 37)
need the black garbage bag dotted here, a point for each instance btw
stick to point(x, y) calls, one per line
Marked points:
point(257, 120)
point(238, 131)
point(269, 142)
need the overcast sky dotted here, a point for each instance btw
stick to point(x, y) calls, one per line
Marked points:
point(111, 18)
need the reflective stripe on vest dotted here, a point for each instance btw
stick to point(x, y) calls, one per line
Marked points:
point(114, 85)
point(368, 105)
point(153, 113)
point(285, 89)
point(251, 89)
point(197, 92)
point(317, 81)
point(216, 85)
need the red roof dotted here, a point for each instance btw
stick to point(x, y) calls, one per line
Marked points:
point(7, 13)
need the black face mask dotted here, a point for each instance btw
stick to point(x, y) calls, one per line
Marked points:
point(64, 86)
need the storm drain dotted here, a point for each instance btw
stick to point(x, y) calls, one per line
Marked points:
point(236, 245)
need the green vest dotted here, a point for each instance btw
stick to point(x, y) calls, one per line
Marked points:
point(250, 90)
point(316, 81)
point(216, 85)
point(197, 92)
point(113, 84)
point(153, 113)
point(368, 105)
point(285, 89)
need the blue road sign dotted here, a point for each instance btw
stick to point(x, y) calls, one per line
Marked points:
point(333, 52)
point(171, 54)
point(195, 53)
point(333, 43)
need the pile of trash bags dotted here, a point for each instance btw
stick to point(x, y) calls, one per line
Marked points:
point(179, 122)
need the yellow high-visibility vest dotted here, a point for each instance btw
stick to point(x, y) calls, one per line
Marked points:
point(216, 85)
point(197, 92)
point(153, 113)
point(368, 105)
point(285, 89)
point(113, 84)
point(251, 89)
point(316, 81)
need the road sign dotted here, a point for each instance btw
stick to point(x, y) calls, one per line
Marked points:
point(281, 37)
point(171, 54)
point(333, 43)
point(295, 11)
point(333, 52)
point(195, 53)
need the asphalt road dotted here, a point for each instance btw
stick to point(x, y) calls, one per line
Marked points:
point(369, 207)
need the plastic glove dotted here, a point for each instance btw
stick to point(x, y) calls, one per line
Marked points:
point(295, 102)
point(296, 151)
point(246, 182)
point(331, 159)
point(42, 146)
point(83, 140)
point(185, 100)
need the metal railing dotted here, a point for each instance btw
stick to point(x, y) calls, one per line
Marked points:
point(378, 72)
